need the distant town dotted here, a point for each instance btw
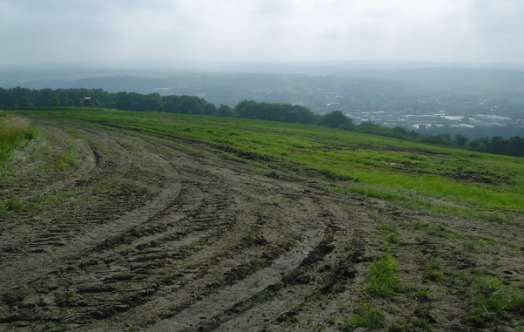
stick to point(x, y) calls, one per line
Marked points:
point(436, 120)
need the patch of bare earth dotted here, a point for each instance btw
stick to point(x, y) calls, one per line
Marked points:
point(137, 234)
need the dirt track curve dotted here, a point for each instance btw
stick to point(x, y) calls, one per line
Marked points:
point(112, 230)
point(140, 235)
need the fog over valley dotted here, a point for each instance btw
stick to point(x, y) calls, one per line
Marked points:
point(438, 64)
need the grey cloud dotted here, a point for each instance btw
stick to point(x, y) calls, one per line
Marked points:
point(167, 31)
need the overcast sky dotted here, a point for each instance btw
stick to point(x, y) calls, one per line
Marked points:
point(164, 32)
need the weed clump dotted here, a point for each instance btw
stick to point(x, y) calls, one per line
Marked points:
point(14, 133)
point(383, 277)
point(491, 299)
point(66, 159)
point(423, 294)
point(391, 234)
point(11, 205)
point(367, 316)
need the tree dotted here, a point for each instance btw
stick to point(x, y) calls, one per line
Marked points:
point(460, 140)
point(225, 110)
point(27, 98)
point(276, 112)
point(336, 119)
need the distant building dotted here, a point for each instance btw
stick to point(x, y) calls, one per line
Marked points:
point(87, 101)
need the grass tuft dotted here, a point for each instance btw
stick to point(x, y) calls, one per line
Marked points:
point(13, 205)
point(14, 133)
point(491, 298)
point(367, 316)
point(423, 294)
point(391, 234)
point(383, 277)
point(66, 159)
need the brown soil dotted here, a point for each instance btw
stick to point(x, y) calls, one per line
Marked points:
point(141, 234)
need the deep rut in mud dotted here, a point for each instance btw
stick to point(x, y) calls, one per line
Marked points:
point(142, 236)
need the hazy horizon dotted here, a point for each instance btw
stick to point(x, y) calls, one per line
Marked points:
point(258, 66)
point(183, 33)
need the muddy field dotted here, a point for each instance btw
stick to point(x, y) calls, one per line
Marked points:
point(109, 230)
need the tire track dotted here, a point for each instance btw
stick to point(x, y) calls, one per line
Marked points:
point(244, 289)
point(203, 252)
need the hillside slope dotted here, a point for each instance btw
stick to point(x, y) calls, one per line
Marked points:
point(144, 221)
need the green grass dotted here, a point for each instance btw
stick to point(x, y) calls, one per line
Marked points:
point(367, 316)
point(391, 234)
point(14, 133)
point(491, 298)
point(437, 230)
point(423, 294)
point(383, 277)
point(66, 159)
point(12, 205)
point(416, 175)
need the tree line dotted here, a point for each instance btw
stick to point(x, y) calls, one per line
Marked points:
point(513, 146)
point(17, 98)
